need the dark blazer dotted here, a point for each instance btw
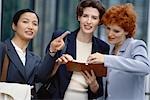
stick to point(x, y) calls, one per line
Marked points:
point(62, 78)
point(34, 70)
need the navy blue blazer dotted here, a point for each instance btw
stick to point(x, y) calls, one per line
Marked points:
point(62, 78)
point(35, 69)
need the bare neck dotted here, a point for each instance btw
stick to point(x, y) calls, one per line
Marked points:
point(84, 37)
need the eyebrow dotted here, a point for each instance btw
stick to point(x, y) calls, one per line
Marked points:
point(28, 19)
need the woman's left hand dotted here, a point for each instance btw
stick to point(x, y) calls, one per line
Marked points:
point(58, 43)
point(64, 59)
point(91, 80)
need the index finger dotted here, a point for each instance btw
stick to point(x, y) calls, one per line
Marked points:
point(93, 74)
point(64, 34)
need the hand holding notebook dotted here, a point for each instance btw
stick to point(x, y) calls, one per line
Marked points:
point(98, 69)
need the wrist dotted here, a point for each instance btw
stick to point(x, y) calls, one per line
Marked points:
point(94, 87)
point(52, 53)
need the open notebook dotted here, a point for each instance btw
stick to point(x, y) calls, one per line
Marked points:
point(98, 69)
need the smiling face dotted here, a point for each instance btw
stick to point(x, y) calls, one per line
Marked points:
point(89, 20)
point(27, 26)
point(116, 35)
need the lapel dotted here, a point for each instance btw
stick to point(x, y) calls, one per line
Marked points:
point(124, 46)
point(99, 46)
point(14, 58)
point(95, 47)
point(30, 65)
point(71, 48)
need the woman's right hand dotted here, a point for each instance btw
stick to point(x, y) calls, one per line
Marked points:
point(64, 59)
point(61, 60)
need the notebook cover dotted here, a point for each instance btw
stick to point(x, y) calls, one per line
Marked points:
point(98, 69)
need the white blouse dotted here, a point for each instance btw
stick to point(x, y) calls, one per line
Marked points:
point(21, 54)
point(78, 87)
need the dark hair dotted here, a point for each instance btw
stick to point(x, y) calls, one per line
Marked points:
point(90, 3)
point(20, 12)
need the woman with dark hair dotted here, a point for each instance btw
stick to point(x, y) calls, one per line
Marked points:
point(80, 44)
point(24, 65)
point(128, 63)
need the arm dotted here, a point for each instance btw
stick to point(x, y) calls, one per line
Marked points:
point(47, 66)
point(62, 60)
point(137, 62)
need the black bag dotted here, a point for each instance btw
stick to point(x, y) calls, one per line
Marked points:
point(43, 92)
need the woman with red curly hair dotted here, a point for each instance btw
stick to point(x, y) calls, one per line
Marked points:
point(128, 62)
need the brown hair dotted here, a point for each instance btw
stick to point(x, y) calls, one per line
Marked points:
point(122, 15)
point(90, 3)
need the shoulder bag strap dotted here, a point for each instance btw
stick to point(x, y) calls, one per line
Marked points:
point(5, 66)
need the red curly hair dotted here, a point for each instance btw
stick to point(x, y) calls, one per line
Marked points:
point(122, 15)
